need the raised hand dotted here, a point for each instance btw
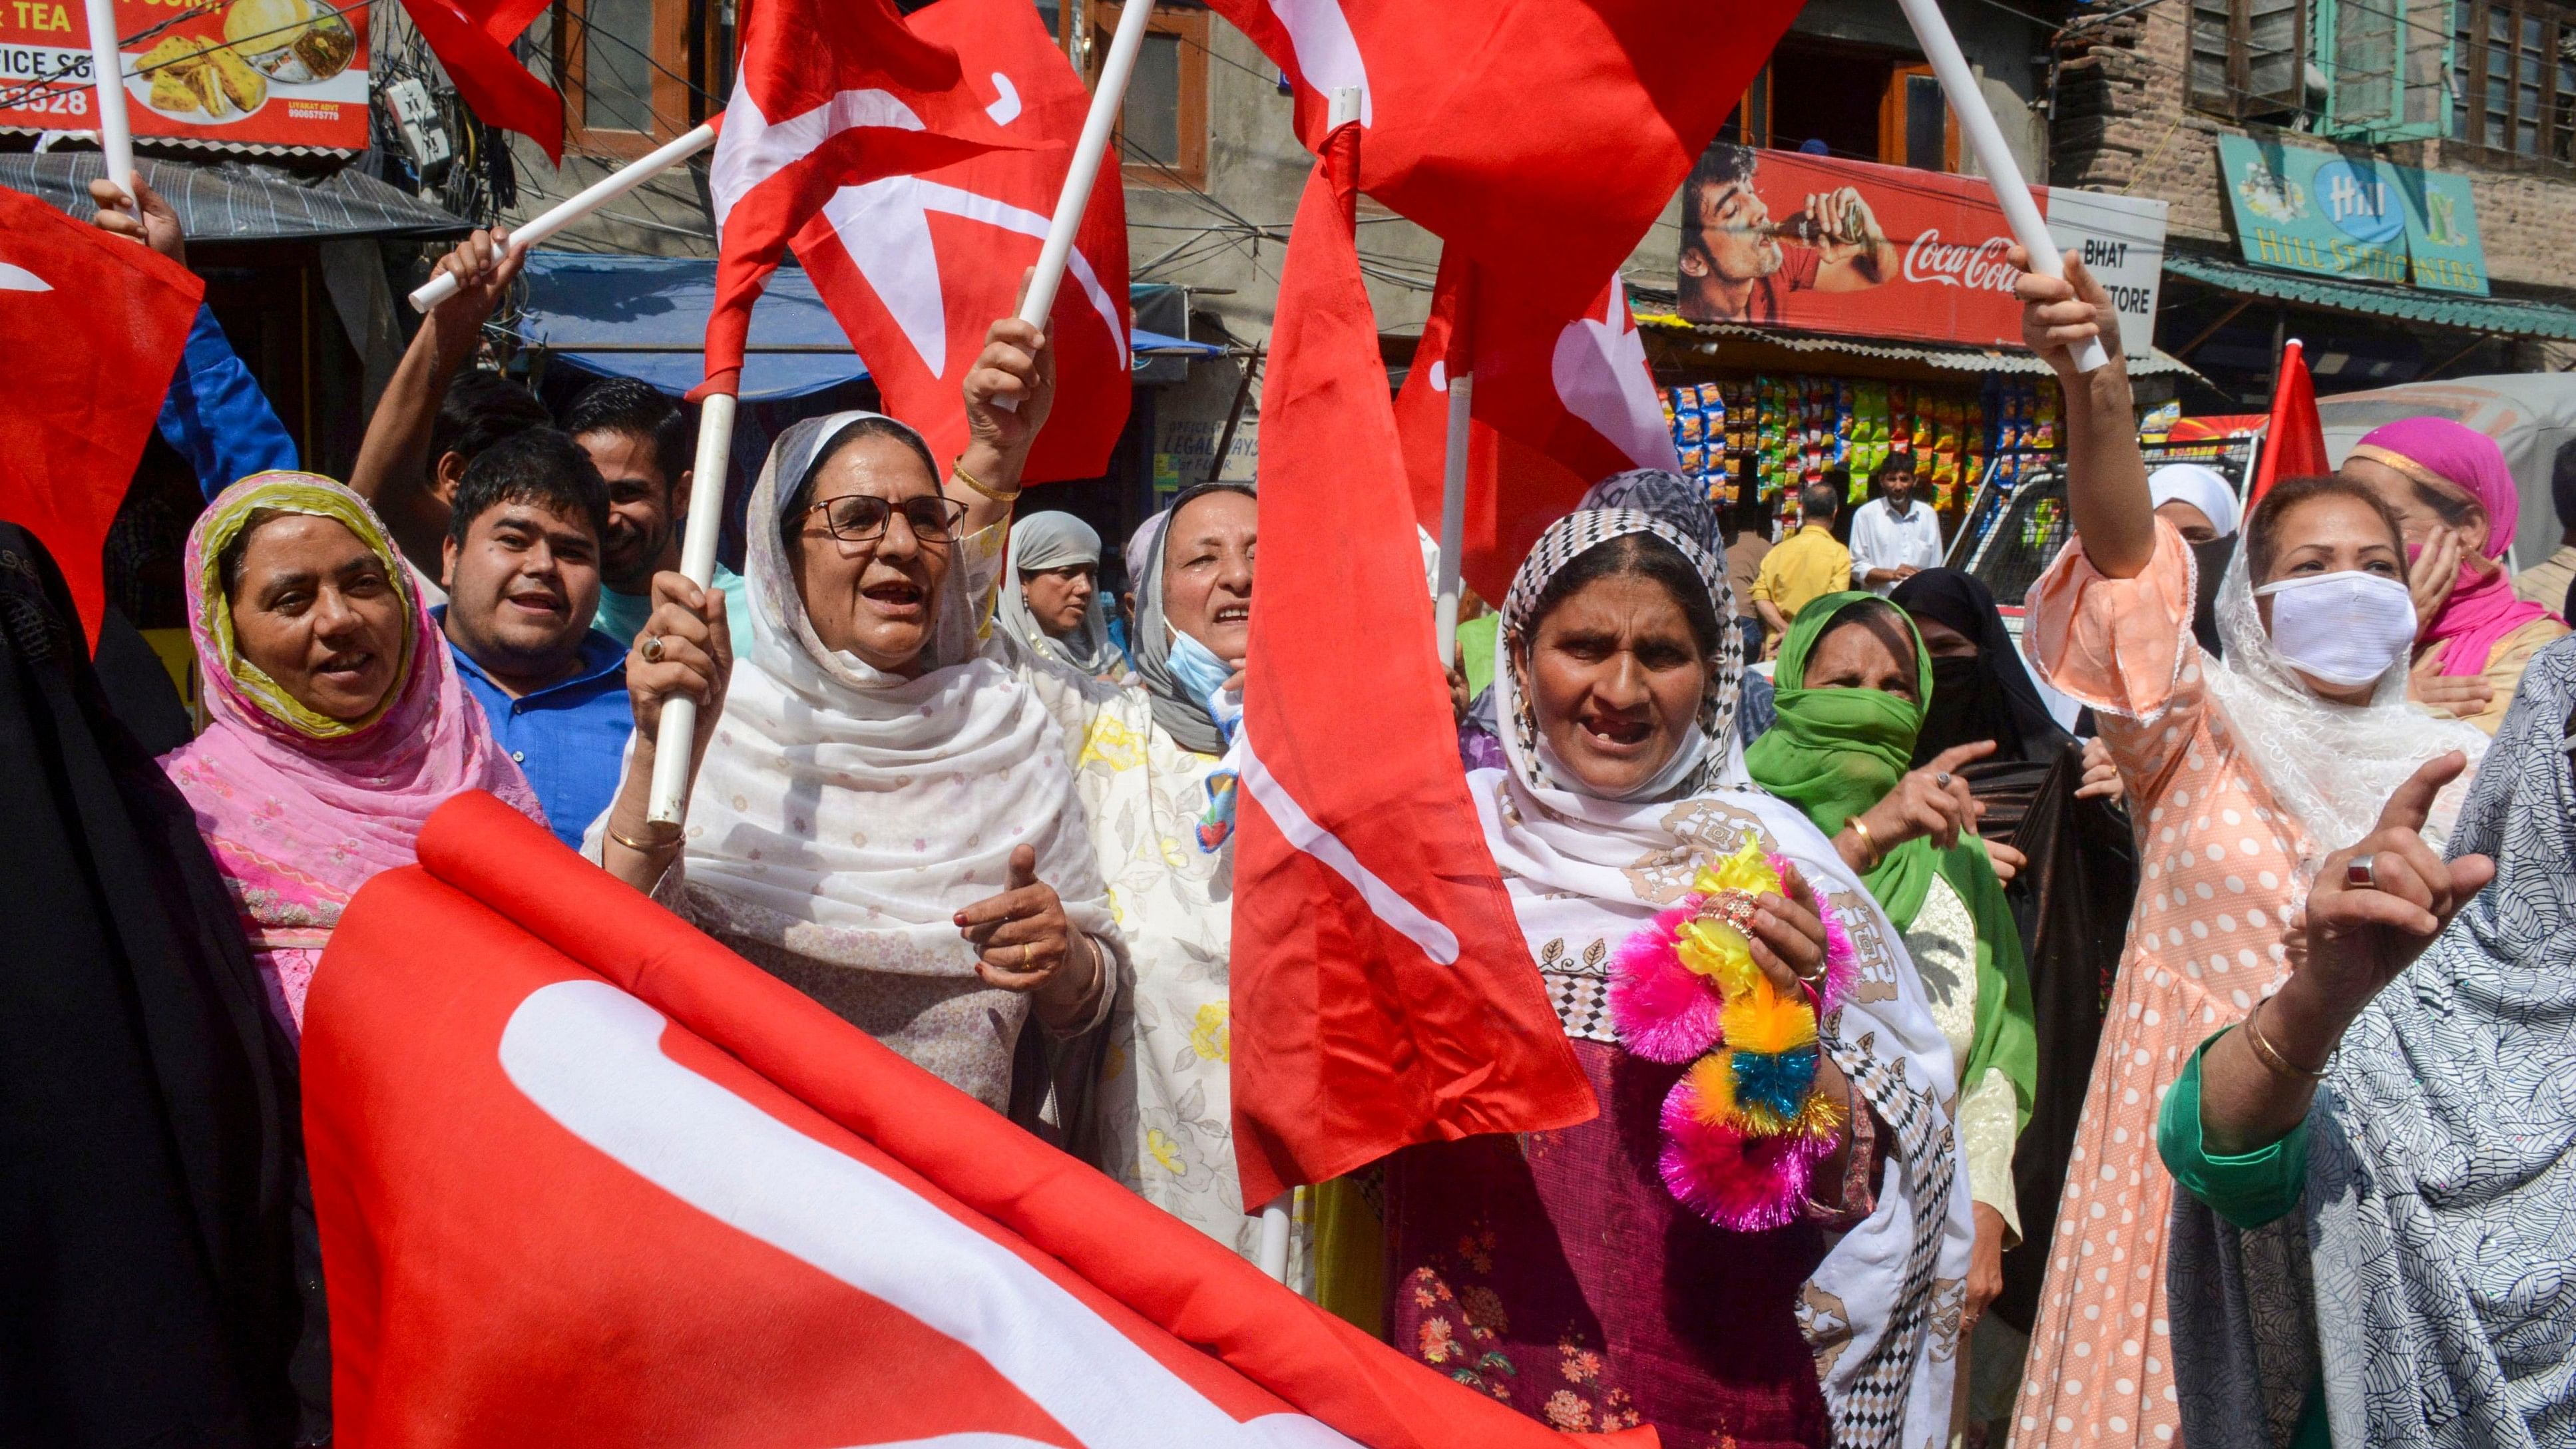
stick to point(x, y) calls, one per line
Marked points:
point(1024, 943)
point(2431, 577)
point(1788, 935)
point(1933, 801)
point(2057, 313)
point(484, 267)
point(147, 218)
point(2374, 907)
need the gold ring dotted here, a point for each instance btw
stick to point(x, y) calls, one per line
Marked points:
point(1024, 955)
point(651, 648)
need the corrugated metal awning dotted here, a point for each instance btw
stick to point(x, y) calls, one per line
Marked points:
point(1932, 354)
point(2505, 316)
point(239, 201)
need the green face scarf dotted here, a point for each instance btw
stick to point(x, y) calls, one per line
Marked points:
point(1834, 753)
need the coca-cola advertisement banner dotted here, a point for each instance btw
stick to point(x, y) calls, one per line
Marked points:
point(1820, 244)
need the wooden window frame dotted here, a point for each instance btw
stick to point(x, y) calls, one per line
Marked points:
point(2556, 124)
point(1091, 44)
point(2237, 100)
point(676, 107)
point(1892, 119)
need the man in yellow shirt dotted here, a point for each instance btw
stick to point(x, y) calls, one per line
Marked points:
point(1810, 564)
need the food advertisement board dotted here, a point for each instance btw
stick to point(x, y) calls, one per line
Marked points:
point(263, 73)
point(1823, 244)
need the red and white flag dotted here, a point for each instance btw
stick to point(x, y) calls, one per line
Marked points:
point(917, 267)
point(830, 94)
point(1542, 135)
point(1381, 993)
point(583, 1176)
point(471, 39)
point(1563, 399)
point(78, 415)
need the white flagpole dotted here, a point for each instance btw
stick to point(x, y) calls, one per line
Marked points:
point(1453, 510)
point(591, 198)
point(1111, 94)
point(671, 747)
point(1986, 140)
point(107, 77)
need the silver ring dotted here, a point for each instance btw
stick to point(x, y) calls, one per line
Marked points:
point(651, 649)
point(1942, 779)
point(2358, 873)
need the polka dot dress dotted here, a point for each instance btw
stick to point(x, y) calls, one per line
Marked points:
point(2217, 874)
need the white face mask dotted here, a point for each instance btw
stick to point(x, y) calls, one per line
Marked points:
point(2344, 628)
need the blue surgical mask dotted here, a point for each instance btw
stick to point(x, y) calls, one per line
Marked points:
point(1202, 677)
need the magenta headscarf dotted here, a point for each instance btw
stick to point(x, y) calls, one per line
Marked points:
point(298, 809)
point(2483, 607)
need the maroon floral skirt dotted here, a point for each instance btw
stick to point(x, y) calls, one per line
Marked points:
point(1553, 1272)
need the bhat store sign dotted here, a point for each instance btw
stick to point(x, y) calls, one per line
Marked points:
point(283, 74)
point(2353, 216)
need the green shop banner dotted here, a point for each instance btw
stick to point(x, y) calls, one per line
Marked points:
point(2353, 216)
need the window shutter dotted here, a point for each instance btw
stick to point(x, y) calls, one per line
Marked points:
point(2249, 58)
point(2388, 66)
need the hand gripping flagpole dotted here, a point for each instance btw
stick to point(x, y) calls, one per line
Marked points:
point(582, 203)
point(1106, 99)
point(107, 77)
point(673, 744)
point(1986, 140)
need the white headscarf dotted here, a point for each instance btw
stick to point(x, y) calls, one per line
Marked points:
point(2332, 766)
point(1883, 1308)
point(2202, 487)
point(846, 814)
point(1043, 541)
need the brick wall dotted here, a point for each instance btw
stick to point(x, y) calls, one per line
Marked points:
point(2122, 125)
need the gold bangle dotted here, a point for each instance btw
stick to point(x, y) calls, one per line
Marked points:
point(2270, 1055)
point(640, 847)
point(1868, 842)
point(957, 470)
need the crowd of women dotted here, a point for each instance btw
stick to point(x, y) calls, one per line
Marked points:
point(1861, 1174)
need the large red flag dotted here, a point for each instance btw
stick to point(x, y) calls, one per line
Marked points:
point(1563, 399)
point(1381, 993)
point(2294, 442)
point(92, 326)
point(917, 267)
point(585, 1177)
point(830, 94)
point(1539, 135)
point(471, 39)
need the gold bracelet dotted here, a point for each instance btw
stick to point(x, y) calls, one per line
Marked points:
point(957, 470)
point(1867, 841)
point(638, 846)
point(2270, 1055)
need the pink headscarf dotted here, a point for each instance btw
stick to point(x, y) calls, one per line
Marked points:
point(301, 812)
point(2483, 608)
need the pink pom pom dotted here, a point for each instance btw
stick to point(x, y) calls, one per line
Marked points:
point(1662, 1010)
point(1740, 1183)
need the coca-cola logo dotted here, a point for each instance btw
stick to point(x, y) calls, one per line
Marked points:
point(1979, 268)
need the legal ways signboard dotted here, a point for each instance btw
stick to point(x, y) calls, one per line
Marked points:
point(1821, 244)
point(254, 73)
point(2351, 215)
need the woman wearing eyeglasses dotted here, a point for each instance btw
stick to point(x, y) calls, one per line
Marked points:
point(883, 812)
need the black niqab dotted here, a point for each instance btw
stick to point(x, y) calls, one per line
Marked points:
point(1997, 701)
point(147, 1108)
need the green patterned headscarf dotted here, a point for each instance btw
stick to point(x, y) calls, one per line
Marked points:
point(223, 521)
point(1835, 753)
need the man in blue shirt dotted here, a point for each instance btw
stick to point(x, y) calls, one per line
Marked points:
point(643, 446)
point(521, 569)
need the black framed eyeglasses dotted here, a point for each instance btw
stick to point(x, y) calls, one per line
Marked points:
point(861, 517)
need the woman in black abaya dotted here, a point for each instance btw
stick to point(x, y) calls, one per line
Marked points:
point(147, 1117)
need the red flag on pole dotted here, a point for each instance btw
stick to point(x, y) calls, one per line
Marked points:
point(2294, 442)
point(471, 38)
point(1563, 399)
point(917, 267)
point(92, 326)
point(1541, 136)
point(585, 1177)
point(831, 94)
point(1381, 993)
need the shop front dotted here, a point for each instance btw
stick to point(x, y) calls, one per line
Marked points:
point(1833, 316)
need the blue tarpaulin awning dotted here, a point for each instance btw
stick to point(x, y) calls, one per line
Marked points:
point(646, 317)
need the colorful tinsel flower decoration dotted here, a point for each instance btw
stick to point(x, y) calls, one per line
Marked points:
point(1744, 1127)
